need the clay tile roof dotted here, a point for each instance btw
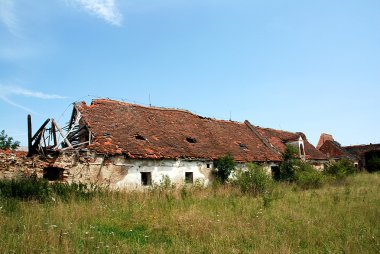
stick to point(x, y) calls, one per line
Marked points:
point(150, 132)
point(279, 138)
point(334, 150)
point(360, 150)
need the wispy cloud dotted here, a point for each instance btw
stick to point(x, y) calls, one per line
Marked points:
point(8, 17)
point(10, 102)
point(7, 91)
point(25, 92)
point(105, 9)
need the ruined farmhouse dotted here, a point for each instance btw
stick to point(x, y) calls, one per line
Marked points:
point(125, 145)
point(360, 155)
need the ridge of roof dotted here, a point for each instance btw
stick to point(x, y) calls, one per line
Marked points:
point(363, 145)
point(262, 138)
point(96, 101)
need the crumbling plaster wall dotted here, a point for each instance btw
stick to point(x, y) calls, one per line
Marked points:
point(118, 172)
point(115, 172)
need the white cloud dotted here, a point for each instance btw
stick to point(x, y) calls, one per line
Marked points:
point(8, 17)
point(8, 91)
point(16, 90)
point(10, 102)
point(105, 9)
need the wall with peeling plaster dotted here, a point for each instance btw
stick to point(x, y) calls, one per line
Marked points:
point(115, 172)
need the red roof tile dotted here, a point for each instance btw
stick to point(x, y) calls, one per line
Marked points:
point(149, 132)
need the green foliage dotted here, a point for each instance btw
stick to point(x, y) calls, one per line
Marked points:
point(340, 169)
point(78, 191)
point(289, 164)
point(7, 142)
point(25, 189)
point(40, 190)
point(224, 165)
point(307, 177)
point(254, 181)
point(164, 188)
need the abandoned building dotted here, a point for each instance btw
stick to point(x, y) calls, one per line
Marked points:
point(123, 145)
point(361, 155)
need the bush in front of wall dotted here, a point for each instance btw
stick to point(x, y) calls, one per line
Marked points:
point(340, 169)
point(224, 165)
point(289, 164)
point(254, 180)
point(307, 177)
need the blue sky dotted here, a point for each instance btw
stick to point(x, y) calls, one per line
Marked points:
point(310, 66)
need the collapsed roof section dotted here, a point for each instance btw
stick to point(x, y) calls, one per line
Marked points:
point(279, 139)
point(158, 133)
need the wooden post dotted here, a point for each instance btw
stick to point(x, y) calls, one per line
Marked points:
point(29, 133)
point(54, 134)
point(40, 129)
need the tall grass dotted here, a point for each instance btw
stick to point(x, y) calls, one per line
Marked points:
point(219, 219)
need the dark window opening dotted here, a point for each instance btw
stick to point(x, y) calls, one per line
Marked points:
point(191, 140)
point(372, 161)
point(188, 177)
point(146, 178)
point(302, 151)
point(275, 172)
point(208, 165)
point(53, 173)
point(139, 137)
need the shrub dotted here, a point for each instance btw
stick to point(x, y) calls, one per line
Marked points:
point(307, 177)
point(289, 164)
point(340, 169)
point(254, 181)
point(224, 167)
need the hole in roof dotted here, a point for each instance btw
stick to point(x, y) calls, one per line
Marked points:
point(243, 146)
point(139, 137)
point(191, 140)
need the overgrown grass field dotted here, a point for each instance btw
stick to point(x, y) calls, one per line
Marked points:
point(336, 218)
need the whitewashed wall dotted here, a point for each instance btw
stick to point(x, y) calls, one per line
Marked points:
point(117, 172)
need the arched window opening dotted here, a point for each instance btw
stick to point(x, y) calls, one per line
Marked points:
point(302, 151)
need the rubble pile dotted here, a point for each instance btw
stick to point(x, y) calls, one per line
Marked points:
point(15, 164)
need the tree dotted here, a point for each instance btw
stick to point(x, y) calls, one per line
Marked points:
point(289, 164)
point(224, 165)
point(7, 142)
